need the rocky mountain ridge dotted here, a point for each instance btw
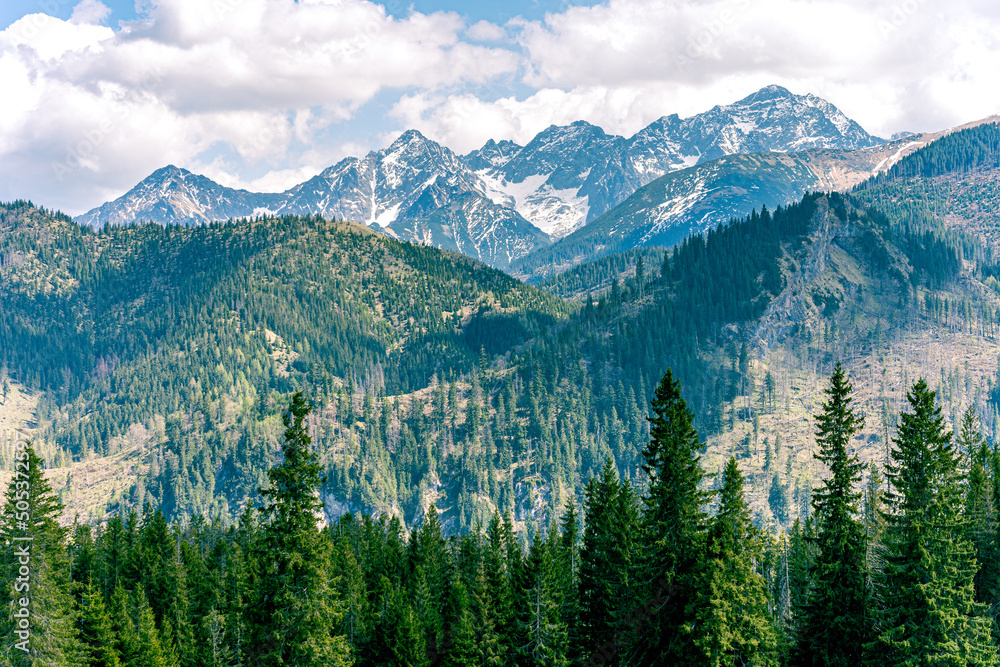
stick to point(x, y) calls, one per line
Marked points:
point(563, 178)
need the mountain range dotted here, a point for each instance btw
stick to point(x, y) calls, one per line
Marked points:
point(504, 202)
point(153, 361)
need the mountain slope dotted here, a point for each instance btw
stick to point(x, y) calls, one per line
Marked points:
point(699, 198)
point(176, 196)
point(167, 354)
point(133, 328)
point(563, 178)
point(476, 226)
point(568, 176)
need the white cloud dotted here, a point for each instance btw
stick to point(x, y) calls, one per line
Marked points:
point(278, 180)
point(484, 31)
point(97, 109)
point(920, 64)
point(90, 12)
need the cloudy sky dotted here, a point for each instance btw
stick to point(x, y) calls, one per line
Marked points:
point(262, 94)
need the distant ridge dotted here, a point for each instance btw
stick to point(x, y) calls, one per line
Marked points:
point(562, 179)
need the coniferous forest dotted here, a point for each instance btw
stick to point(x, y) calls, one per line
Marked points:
point(322, 446)
point(893, 567)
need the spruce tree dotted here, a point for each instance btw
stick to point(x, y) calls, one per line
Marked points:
point(153, 651)
point(458, 647)
point(733, 624)
point(674, 523)
point(607, 558)
point(35, 570)
point(546, 631)
point(498, 566)
point(488, 650)
point(929, 614)
point(398, 637)
point(296, 610)
point(777, 499)
point(123, 626)
point(834, 624)
point(96, 633)
point(980, 510)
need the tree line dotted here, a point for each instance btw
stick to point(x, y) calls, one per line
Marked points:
point(669, 569)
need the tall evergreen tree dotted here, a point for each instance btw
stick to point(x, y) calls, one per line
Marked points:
point(929, 614)
point(674, 523)
point(546, 630)
point(607, 582)
point(398, 636)
point(94, 623)
point(834, 626)
point(153, 651)
point(35, 569)
point(733, 624)
point(980, 510)
point(296, 610)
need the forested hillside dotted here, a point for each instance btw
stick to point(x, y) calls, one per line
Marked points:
point(177, 342)
point(437, 380)
point(659, 570)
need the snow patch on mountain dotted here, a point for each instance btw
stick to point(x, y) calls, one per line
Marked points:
point(565, 177)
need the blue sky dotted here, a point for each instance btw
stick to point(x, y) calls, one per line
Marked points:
point(497, 12)
point(263, 94)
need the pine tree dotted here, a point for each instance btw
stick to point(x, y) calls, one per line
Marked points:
point(123, 626)
point(398, 637)
point(429, 578)
point(296, 609)
point(547, 632)
point(800, 557)
point(96, 633)
point(980, 510)
point(35, 571)
point(929, 614)
point(777, 499)
point(604, 564)
point(459, 646)
point(834, 626)
point(568, 566)
point(733, 625)
point(674, 525)
point(152, 650)
point(502, 566)
point(488, 648)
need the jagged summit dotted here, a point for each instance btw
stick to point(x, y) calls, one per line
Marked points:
point(492, 154)
point(172, 194)
point(566, 176)
point(767, 93)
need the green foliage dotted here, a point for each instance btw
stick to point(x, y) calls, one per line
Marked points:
point(929, 612)
point(975, 147)
point(36, 591)
point(296, 608)
point(732, 624)
point(674, 521)
point(980, 510)
point(608, 558)
point(837, 615)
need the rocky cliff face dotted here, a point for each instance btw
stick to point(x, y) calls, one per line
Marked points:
point(505, 201)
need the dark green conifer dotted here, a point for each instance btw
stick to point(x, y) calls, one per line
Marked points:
point(733, 624)
point(929, 614)
point(96, 633)
point(674, 523)
point(834, 624)
point(295, 611)
point(35, 568)
point(980, 510)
